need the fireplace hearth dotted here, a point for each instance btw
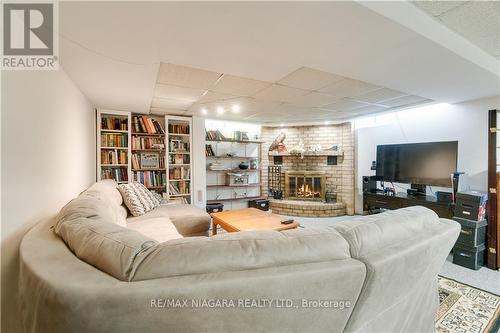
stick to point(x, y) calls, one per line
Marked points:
point(305, 185)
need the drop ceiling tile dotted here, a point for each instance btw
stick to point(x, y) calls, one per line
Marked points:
point(239, 86)
point(176, 92)
point(369, 109)
point(168, 103)
point(279, 93)
point(348, 88)
point(314, 99)
point(405, 100)
point(379, 95)
point(309, 79)
point(477, 21)
point(436, 8)
point(186, 76)
point(344, 105)
point(212, 96)
point(161, 112)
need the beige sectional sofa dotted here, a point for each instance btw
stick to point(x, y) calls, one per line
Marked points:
point(88, 271)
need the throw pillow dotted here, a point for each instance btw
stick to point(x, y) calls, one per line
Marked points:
point(138, 199)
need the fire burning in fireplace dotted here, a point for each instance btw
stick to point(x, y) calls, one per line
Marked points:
point(305, 191)
point(305, 185)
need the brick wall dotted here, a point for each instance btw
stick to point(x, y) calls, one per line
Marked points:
point(339, 178)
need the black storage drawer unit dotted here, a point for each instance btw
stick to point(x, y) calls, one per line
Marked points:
point(469, 257)
point(473, 233)
point(262, 204)
point(471, 205)
point(215, 207)
point(381, 201)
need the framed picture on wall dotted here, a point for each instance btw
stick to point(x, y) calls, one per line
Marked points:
point(150, 160)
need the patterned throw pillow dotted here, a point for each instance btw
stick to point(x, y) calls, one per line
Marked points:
point(138, 199)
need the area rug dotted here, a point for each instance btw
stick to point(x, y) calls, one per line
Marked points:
point(465, 309)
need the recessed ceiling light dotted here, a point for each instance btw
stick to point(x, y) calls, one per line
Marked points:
point(326, 122)
point(220, 110)
point(281, 125)
point(204, 111)
point(235, 108)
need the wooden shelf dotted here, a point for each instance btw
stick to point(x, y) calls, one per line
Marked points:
point(235, 141)
point(156, 187)
point(230, 186)
point(233, 199)
point(180, 180)
point(176, 165)
point(179, 195)
point(153, 150)
point(113, 131)
point(233, 157)
point(150, 169)
point(234, 170)
point(180, 153)
point(113, 148)
point(321, 153)
point(114, 165)
point(148, 134)
point(179, 134)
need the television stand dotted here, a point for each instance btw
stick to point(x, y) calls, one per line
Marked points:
point(376, 201)
point(417, 190)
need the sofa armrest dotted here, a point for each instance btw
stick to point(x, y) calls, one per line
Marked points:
point(239, 251)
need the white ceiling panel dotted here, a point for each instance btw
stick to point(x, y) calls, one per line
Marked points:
point(279, 93)
point(369, 109)
point(167, 103)
point(159, 111)
point(176, 92)
point(189, 77)
point(380, 95)
point(314, 99)
point(345, 105)
point(240, 86)
point(348, 88)
point(212, 96)
point(309, 79)
point(410, 99)
point(437, 8)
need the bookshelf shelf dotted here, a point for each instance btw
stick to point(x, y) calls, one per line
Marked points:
point(113, 131)
point(113, 148)
point(178, 143)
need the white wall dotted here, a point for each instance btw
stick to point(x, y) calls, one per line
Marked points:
point(466, 122)
point(199, 171)
point(48, 157)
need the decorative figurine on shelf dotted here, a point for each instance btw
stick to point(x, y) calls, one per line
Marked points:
point(243, 165)
point(299, 149)
point(278, 144)
point(254, 164)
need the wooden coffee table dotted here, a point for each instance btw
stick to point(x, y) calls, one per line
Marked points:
point(249, 219)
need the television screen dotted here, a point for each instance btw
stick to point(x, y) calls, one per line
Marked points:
point(429, 163)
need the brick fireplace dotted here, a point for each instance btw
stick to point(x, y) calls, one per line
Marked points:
point(337, 177)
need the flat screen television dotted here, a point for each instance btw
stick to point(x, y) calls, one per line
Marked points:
point(429, 163)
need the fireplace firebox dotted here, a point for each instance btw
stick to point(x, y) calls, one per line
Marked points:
point(305, 185)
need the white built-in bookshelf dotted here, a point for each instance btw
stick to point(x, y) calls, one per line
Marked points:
point(113, 145)
point(179, 160)
point(153, 150)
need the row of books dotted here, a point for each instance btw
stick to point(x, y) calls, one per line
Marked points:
point(179, 159)
point(118, 174)
point(180, 145)
point(112, 123)
point(114, 140)
point(151, 178)
point(178, 129)
point(114, 157)
point(148, 161)
point(178, 188)
point(215, 135)
point(179, 173)
point(147, 143)
point(143, 124)
point(209, 151)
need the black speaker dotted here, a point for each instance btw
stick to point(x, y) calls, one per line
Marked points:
point(370, 184)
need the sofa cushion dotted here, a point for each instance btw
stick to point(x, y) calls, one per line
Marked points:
point(239, 251)
point(84, 226)
point(107, 191)
point(367, 234)
point(138, 199)
point(160, 229)
point(189, 220)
